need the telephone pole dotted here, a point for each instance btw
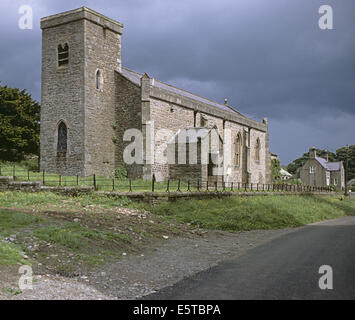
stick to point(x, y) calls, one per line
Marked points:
point(346, 169)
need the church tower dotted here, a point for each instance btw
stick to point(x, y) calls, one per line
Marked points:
point(81, 49)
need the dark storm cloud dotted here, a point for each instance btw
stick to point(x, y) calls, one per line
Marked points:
point(269, 58)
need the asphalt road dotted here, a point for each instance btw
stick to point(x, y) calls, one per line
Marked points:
point(285, 268)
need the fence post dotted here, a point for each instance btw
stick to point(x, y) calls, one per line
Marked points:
point(94, 178)
point(153, 183)
point(113, 184)
point(14, 172)
point(130, 185)
point(60, 180)
point(178, 189)
point(77, 180)
point(0, 170)
point(168, 186)
point(188, 186)
point(28, 174)
point(207, 185)
point(198, 184)
point(215, 185)
point(232, 186)
point(245, 187)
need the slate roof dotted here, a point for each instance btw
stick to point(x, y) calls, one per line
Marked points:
point(330, 166)
point(135, 78)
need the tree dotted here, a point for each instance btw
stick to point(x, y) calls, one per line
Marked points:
point(341, 156)
point(19, 124)
point(275, 169)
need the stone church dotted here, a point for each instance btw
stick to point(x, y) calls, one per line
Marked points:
point(89, 101)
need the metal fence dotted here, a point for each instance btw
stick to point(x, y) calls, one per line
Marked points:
point(100, 183)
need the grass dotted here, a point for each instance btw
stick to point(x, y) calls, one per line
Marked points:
point(74, 234)
point(12, 221)
point(10, 254)
point(250, 213)
point(71, 235)
point(11, 291)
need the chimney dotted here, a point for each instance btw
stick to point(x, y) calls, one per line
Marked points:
point(326, 155)
point(312, 153)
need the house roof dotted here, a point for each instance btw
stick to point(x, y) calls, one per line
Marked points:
point(330, 166)
point(135, 78)
point(285, 173)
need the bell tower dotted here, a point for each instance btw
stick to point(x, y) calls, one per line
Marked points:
point(81, 49)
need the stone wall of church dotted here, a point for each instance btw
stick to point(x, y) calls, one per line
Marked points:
point(128, 116)
point(167, 116)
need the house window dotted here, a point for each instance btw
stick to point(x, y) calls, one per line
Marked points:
point(312, 170)
point(62, 138)
point(257, 150)
point(335, 181)
point(238, 149)
point(63, 55)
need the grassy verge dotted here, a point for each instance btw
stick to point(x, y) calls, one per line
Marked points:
point(239, 214)
point(72, 235)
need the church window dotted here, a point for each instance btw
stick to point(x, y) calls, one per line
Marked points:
point(63, 55)
point(257, 150)
point(62, 137)
point(237, 150)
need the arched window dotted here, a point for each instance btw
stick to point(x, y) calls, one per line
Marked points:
point(98, 80)
point(62, 137)
point(238, 150)
point(63, 55)
point(257, 150)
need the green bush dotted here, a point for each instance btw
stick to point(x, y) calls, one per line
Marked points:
point(120, 173)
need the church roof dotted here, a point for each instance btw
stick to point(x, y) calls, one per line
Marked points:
point(135, 78)
point(330, 166)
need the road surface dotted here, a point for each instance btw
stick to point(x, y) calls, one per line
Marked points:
point(284, 268)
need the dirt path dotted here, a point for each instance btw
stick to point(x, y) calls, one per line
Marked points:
point(162, 264)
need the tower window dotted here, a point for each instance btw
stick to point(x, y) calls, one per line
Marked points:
point(98, 80)
point(63, 55)
point(62, 137)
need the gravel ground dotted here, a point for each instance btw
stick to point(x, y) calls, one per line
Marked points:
point(162, 264)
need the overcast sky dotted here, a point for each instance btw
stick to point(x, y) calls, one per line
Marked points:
point(269, 58)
